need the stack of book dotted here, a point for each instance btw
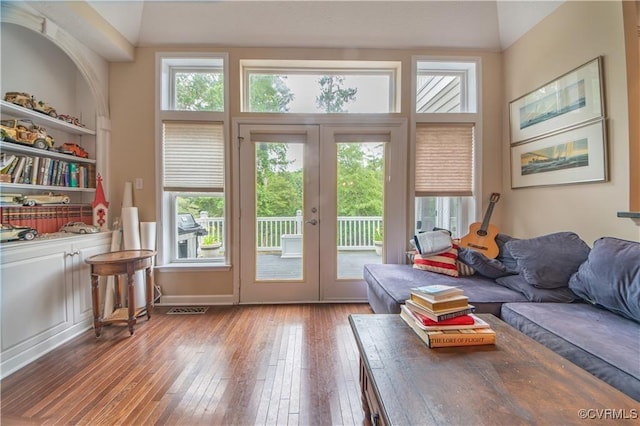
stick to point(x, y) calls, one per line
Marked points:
point(441, 316)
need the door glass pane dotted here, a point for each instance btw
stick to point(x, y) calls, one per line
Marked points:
point(279, 206)
point(360, 194)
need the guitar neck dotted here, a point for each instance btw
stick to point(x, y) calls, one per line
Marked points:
point(487, 217)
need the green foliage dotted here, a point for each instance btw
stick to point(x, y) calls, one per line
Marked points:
point(209, 239)
point(378, 235)
point(198, 91)
point(269, 93)
point(333, 96)
point(360, 180)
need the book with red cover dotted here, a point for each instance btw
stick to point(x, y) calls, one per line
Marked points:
point(461, 320)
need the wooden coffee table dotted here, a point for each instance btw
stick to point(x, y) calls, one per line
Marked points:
point(516, 381)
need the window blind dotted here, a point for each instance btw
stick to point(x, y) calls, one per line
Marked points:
point(444, 160)
point(193, 156)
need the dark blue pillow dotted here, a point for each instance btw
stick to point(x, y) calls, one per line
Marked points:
point(504, 255)
point(611, 277)
point(490, 268)
point(550, 260)
point(534, 294)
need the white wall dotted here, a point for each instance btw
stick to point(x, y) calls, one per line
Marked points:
point(574, 34)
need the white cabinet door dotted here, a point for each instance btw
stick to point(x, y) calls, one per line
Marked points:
point(82, 308)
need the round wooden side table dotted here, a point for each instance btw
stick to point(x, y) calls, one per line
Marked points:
point(119, 263)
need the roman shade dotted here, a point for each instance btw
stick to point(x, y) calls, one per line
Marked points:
point(444, 160)
point(193, 156)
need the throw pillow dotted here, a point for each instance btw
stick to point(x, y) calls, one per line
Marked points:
point(550, 260)
point(490, 268)
point(534, 294)
point(464, 270)
point(443, 263)
point(611, 277)
point(504, 255)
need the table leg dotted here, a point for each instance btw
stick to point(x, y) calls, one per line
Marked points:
point(118, 296)
point(149, 291)
point(132, 299)
point(95, 301)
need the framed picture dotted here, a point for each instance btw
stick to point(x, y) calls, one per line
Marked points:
point(571, 99)
point(572, 156)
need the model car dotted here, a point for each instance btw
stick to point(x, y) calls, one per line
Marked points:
point(12, 233)
point(69, 119)
point(25, 132)
point(46, 198)
point(73, 149)
point(79, 228)
point(28, 101)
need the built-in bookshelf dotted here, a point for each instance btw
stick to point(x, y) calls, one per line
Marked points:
point(29, 170)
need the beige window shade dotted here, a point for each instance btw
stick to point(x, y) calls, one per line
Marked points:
point(193, 156)
point(444, 160)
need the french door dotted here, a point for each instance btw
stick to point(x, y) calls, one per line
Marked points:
point(312, 202)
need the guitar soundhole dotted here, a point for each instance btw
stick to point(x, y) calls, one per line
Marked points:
point(482, 233)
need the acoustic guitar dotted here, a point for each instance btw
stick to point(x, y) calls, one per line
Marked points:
point(482, 236)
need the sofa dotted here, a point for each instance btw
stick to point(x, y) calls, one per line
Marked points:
point(582, 302)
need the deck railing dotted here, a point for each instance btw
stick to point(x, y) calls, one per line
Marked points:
point(354, 232)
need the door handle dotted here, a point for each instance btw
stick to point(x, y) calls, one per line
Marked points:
point(312, 222)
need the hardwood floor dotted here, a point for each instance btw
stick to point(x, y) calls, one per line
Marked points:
point(236, 365)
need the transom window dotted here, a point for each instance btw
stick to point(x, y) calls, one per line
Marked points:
point(193, 84)
point(320, 86)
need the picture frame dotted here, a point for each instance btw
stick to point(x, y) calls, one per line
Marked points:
point(569, 100)
point(573, 156)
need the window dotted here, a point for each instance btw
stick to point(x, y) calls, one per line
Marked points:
point(445, 121)
point(193, 128)
point(320, 86)
point(193, 84)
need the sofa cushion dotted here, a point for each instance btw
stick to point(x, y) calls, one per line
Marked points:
point(535, 294)
point(490, 268)
point(603, 343)
point(504, 255)
point(611, 277)
point(389, 285)
point(550, 260)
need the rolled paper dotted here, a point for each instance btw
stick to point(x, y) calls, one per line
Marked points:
point(127, 197)
point(148, 235)
point(130, 228)
point(131, 237)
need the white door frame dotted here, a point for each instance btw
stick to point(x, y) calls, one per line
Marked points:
point(396, 182)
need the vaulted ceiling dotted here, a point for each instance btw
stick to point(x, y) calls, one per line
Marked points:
point(114, 28)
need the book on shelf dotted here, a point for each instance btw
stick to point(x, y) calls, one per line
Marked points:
point(440, 315)
point(34, 170)
point(440, 305)
point(451, 338)
point(469, 321)
point(438, 291)
point(17, 173)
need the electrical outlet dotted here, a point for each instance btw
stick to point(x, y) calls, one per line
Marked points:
point(139, 184)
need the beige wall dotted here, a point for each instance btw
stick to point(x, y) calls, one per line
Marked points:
point(132, 147)
point(574, 34)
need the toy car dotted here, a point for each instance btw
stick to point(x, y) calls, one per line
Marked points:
point(73, 149)
point(12, 233)
point(79, 228)
point(25, 132)
point(46, 198)
point(69, 119)
point(28, 101)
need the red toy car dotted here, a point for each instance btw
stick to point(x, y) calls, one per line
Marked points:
point(73, 149)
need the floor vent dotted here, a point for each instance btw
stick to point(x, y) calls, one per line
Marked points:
point(185, 310)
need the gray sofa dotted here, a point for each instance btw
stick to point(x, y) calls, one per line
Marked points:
point(582, 303)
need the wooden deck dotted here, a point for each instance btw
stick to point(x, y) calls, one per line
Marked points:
point(350, 265)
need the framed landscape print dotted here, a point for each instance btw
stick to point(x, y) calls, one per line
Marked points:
point(567, 101)
point(576, 155)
